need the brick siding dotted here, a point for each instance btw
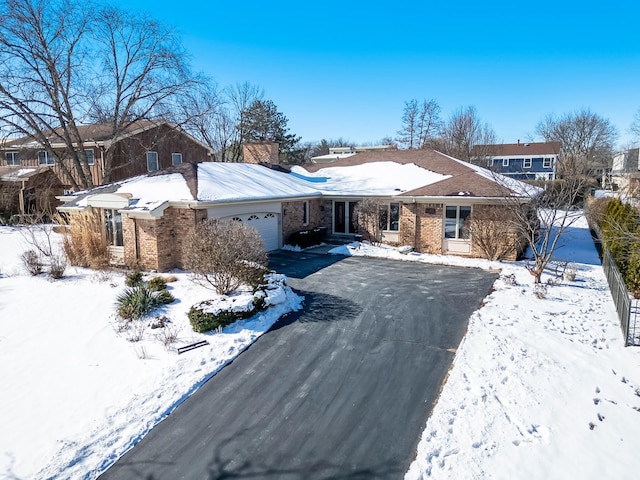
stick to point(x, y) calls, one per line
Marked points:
point(292, 217)
point(160, 242)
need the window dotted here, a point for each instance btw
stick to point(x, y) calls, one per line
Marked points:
point(305, 213)
point(390, 217)
point(176, 158)
point(490, 162)
point(526, 163)
point(90, 157)
point(505, 162)
point(12, 158)
point(455, 222)
point(152, 161)
point(46, 158)
point(113, 227)
point(546, 163)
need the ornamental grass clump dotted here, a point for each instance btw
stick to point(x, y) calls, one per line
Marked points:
point(137, 302)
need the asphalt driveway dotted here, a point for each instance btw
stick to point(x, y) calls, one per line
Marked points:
point(340, 390)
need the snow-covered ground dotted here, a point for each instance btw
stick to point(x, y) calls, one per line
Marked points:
point(75, 394)
point(540, 387)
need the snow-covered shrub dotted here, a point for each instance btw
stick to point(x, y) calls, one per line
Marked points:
point(540, 290)
point(211, 315)
point(32, 262)
point(136, 302)
point(224, 254)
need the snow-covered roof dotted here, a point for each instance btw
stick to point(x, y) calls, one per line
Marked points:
point(376, 174)
point(370, 179)
point(229, 182)
point(411, 173)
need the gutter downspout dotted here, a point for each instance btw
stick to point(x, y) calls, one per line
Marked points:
point(21, 198)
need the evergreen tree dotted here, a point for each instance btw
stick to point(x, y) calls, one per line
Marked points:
point(262, 121)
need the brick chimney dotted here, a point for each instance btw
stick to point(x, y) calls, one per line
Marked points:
point(263, 152)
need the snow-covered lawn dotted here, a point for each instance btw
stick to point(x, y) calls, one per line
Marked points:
point(76, 395)
point(540, 387)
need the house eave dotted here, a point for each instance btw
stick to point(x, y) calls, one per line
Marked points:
point(461, 199)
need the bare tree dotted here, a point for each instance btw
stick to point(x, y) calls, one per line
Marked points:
point(420, 123)
point(544, 219)
point(587, 141)
point(66, 62)
point(463, 132)
point(44, 60)
point(143, 72)
point(635, 125)
point(202, 112)
point(368, 219)
point(241, 96)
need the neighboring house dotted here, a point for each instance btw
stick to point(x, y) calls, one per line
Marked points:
point(338, 153)
point(625, 172)
point(28, 190)
point(428, 196)
point(145, 146)
point(522, 161)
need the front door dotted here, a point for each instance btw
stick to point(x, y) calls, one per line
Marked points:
point(344, 217)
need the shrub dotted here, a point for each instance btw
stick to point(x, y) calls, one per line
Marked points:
point(136, 302)
point(133, 278)
point(224, 254)
point(203, 320)
point(368, 218)
point(57, 266)
point(164, 297)
point(157, 284)
point(31, 261)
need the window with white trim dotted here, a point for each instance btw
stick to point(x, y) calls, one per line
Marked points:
point(526, 163)
point(152, 161)
point(546, 163)
point(46, 158)
point(113, 227)
point(176, 158)
point(390, 217)
point(12, 159)
point(505, 162)
point(455, 222)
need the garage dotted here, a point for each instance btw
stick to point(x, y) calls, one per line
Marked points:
point(267, 224)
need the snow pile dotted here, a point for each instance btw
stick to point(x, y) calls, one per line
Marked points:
point(103, 392)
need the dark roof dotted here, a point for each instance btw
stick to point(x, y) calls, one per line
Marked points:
point(520, 148)
point(464, 178)
point(99, 132)
point(425, 158)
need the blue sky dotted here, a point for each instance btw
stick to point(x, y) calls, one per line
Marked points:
point(345, 69)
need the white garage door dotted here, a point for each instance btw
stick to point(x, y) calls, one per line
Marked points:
point(266, 224)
